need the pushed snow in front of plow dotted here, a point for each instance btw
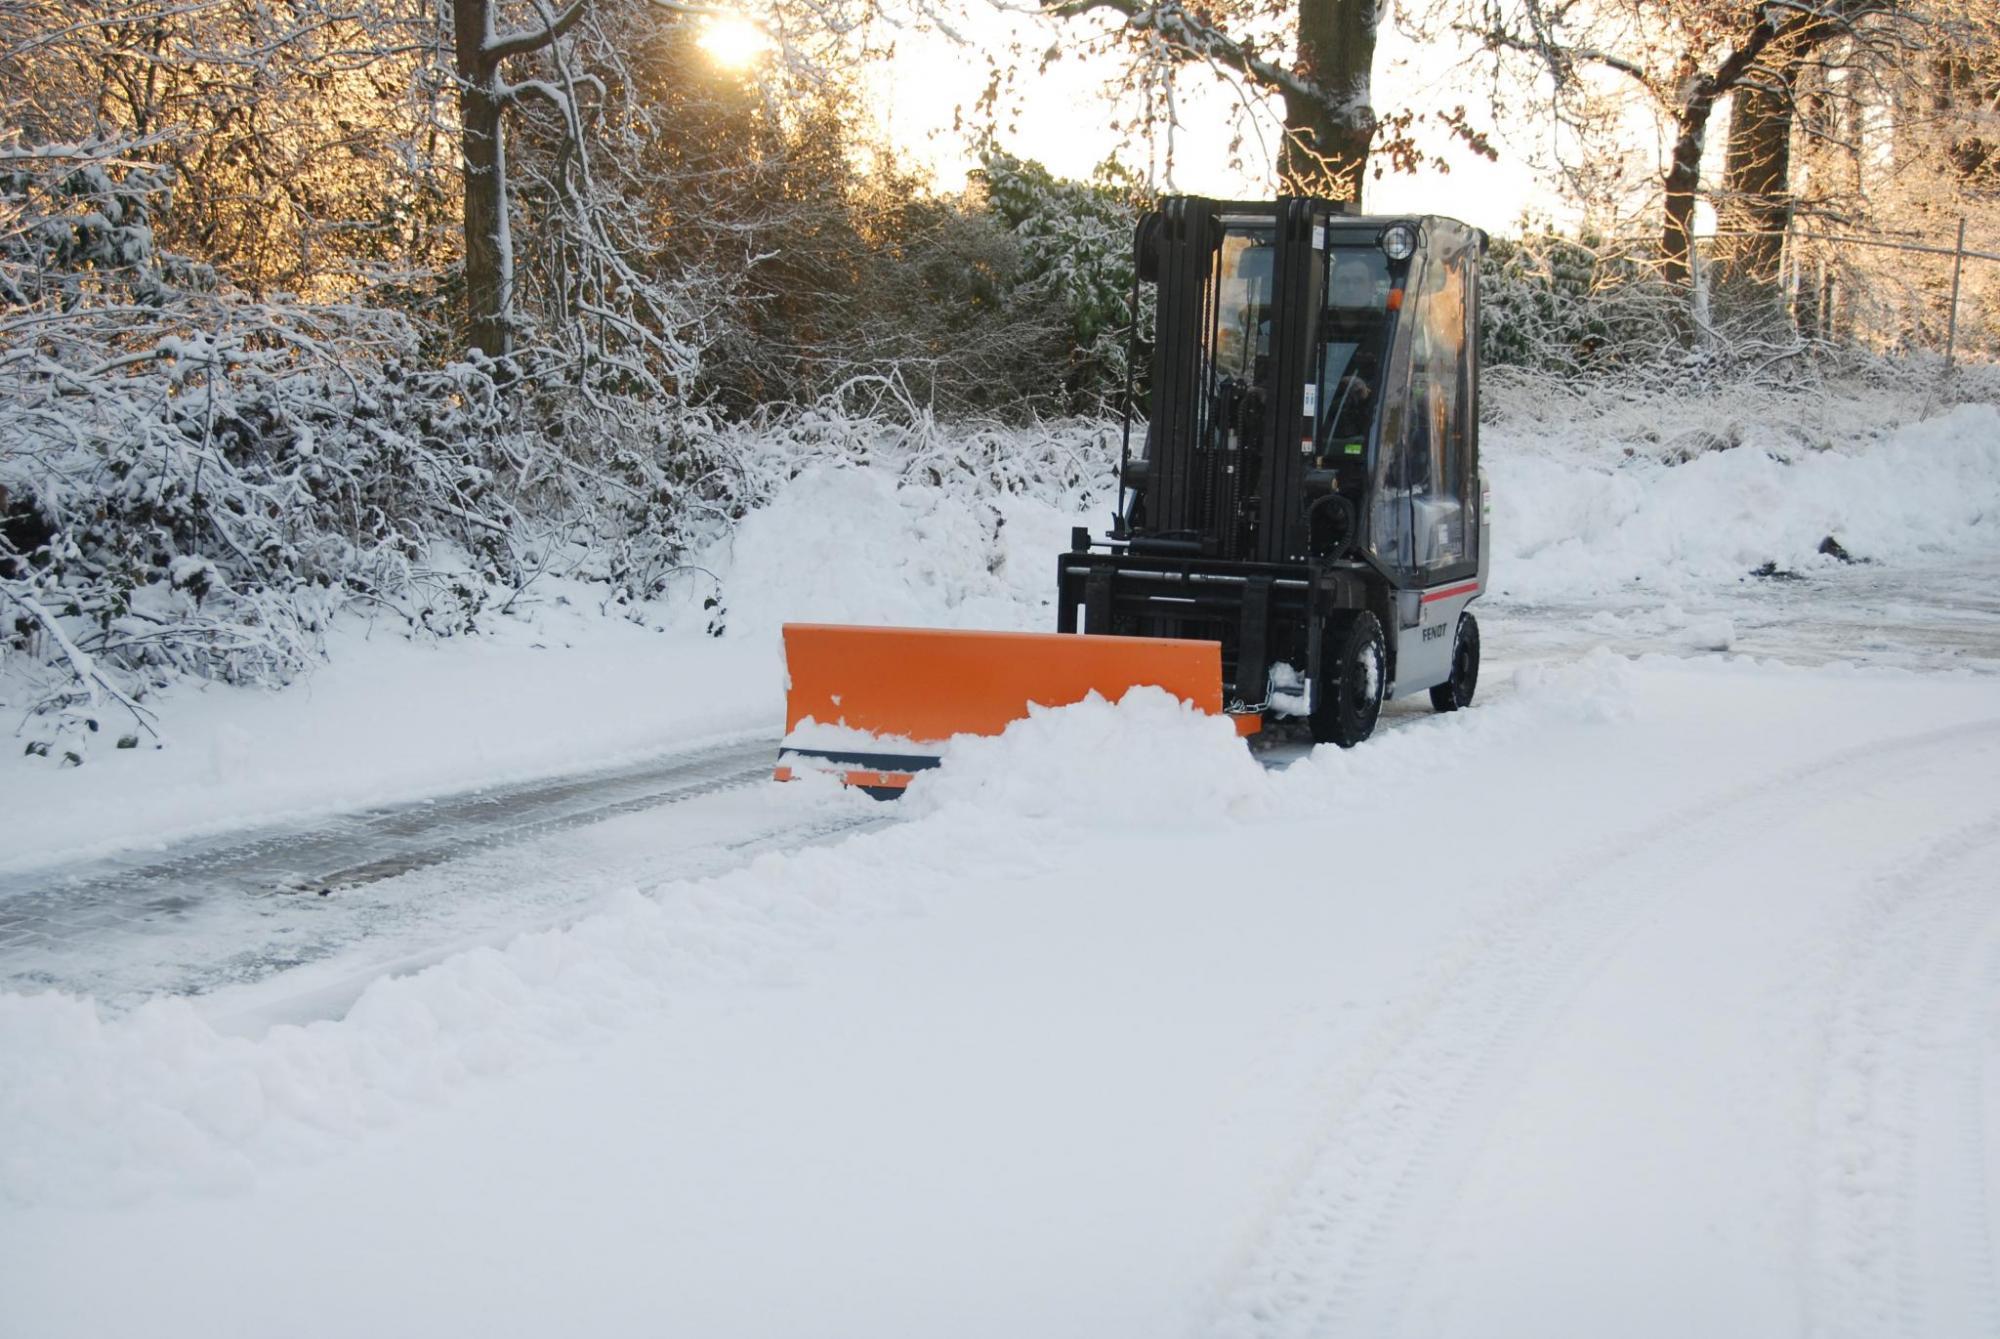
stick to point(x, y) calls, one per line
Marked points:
point(875, 706)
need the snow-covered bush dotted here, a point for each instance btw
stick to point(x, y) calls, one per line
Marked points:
point(876, 422)
point(1562, 304)
point(1076, 241)
point(194, 480)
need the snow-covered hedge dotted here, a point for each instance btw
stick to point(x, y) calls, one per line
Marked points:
point(1555, 303)
point(194, 480)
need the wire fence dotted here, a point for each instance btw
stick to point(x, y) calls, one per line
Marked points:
point(1765, 304)
point(1901, 294)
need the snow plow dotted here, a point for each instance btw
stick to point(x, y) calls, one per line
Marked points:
point(1297, 537)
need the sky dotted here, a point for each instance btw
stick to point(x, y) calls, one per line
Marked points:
point(1065, 123)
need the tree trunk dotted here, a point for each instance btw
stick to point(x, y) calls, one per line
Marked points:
point(1683, 180)
point(487, 258)
point(488, 262)
point(1825, 192)
point(1691, 134)
point(1968, 85)
point(1757, 178)
point(1327, 140)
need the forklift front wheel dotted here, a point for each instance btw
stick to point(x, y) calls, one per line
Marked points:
point(1349, 697)
point(1456, 691)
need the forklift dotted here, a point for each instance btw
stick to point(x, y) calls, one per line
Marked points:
point(1309, 493)
point(1297, 536)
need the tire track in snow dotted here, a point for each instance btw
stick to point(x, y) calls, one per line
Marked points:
point(1919, 940)
point(401, 885)
point(1335, 1248)
point(330, 995)
point(1976, 1112)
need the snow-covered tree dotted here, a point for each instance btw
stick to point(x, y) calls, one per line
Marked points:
point(1312, 61)
point(1076, 251)
point(1684, 59)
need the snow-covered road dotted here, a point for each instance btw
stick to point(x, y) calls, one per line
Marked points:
point(1658, 994)
point(1653, 996)
point(291, 921)
point(330, 903)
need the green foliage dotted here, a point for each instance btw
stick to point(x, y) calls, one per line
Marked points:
point(1556, 303)
point(1076, 250)
point(1008, 300)
point(89, 233)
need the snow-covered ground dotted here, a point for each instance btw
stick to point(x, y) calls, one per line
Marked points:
point(1657, 994)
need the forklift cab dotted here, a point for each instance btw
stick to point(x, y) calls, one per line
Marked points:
point(1387, 391)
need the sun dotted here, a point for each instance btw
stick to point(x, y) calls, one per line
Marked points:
point(732, 42)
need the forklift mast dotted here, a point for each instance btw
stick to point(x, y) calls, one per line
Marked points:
point(1238, 296)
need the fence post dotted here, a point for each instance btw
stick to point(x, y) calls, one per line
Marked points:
point(1951, 322)
point(1957, 271)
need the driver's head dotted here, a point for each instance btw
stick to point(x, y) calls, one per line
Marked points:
point(1353, 283)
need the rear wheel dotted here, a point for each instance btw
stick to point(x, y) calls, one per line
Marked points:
point(1456, 691)
point(1348, 696)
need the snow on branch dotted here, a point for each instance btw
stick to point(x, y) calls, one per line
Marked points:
point(1191, 36)
point(501, 47)
point(93, 680)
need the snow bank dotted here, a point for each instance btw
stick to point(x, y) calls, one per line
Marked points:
point(1573, 519)
point(107, 1110)
point(560, 688)
point(863, 545)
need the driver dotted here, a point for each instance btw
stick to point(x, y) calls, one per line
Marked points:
point(1355, 316)
point(1353, 288)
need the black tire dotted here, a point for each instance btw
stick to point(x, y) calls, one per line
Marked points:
point(1354, 664)
point(1457, 691)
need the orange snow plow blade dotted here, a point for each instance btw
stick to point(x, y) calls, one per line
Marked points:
point(918, 687)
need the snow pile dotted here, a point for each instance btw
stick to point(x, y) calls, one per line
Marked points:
point(862, 545)
point(1573, 521)
point(1148, 758)
point(894, 516)
point(1151, 759)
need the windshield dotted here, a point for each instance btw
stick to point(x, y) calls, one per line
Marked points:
point(1243, 306)
point(1356, 348)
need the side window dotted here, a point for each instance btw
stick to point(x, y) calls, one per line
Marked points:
point(1436, 434)
point(1389, 535)
point(1423, 500)
point(1466, 265)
